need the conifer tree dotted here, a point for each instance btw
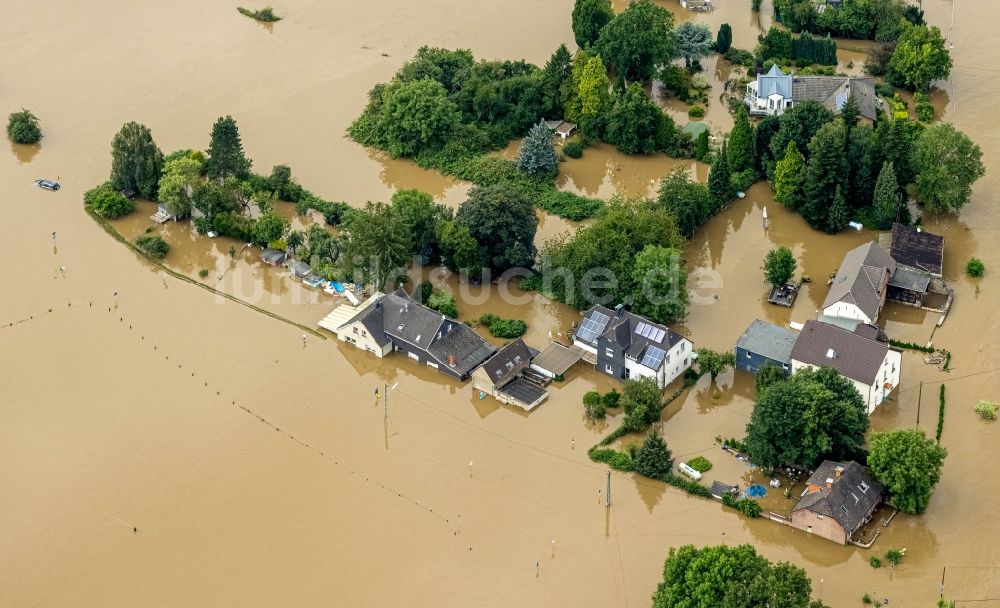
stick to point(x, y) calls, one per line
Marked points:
point(837, 218)
point(788, 177)
point(225, 152)
point(741, 142)
point(825, 174)
point(537, 155)
point(886, 198)
point(720, 187)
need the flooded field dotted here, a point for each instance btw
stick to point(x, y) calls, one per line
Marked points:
point(169, 447)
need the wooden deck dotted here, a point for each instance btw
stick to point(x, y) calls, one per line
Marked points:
point(783, 296)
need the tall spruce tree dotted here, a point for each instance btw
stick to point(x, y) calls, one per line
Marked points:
point(885, 201)
point(838, 216)
point(850, 112)
point(741, 142)
point(720, 186)
point(225, 152)
point(788, 177)
point(589, 16)
point(724, 39)
point(861, 170)
point(557, 71)
point(824, 173)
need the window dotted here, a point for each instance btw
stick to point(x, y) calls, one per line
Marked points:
point(355, 330)
point(628, 373)
point(748, 354)
point(863, 487)
point(609, 369)
point(364, 334)
point(685, 362)
point(608, 352)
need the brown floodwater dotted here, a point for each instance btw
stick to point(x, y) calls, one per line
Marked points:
point(182, 449)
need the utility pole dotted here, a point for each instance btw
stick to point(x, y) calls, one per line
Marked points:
point(943, 570)
point(385, 398)
point(607, 495)
point(920, 393)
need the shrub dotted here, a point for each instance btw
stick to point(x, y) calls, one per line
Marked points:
point(740, 57)
point(894, 556)
point(866, 599)
point(203, 273)
point(700, 464)
point(265, 15)
point(875, 562)
point(736, 444)
point(503, 328)
point(987, 410)
point(591, 398)
point(747, 506)
point(743, 180)
point(925, 110)
point(567, 204)
point(573, 148)
point(154, 246)
point(940, 426)
point(443, 302)
point(424, 291)
point(975, 267)
point(911, 346)
point(610, 399)
point(619, 461)
point(696, 111)
point(883, 89)
point(22, 128)
point(108, 202)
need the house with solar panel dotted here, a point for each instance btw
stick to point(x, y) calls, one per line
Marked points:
point(627, 345)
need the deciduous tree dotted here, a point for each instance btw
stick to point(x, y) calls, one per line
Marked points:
point(268, 228)
point(176, 190)
point(799, 124)
point(22, 127)
point(714, 363)
point(686, 199)
point(779, 266)
point(589, 16)
point(415, 116)
point(380, 243)
point(635, 122)
point(641, 401)
point(660, 285)
point(947, 163)
point(135, 160)
point(920, 58)
point(421, 215)
point(730, 576)
point(638, 40)
point(908, 464)
point(503, 222)
point(225, 151)
point(812, 416)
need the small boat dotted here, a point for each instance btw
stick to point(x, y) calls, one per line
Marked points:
point(856, 225)
point(47, 184)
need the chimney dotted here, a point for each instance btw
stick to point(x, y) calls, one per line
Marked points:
point(838, 471)
point(452, 361)
point(831, 354)
point(829, 482)
point(449, 329)
point(619, 310)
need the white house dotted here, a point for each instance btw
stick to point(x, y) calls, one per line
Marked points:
point(860, 286)
point(631, 346)
point(871, 365)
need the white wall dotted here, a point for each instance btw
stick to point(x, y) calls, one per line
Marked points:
point(356, 334)
point(585, 346)
point(845, 310)
point(674, 365)
point(889, 372)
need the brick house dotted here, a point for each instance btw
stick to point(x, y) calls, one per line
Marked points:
point(838, 500)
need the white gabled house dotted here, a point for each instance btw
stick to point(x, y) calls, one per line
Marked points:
point(869, 364)
point(861, 284)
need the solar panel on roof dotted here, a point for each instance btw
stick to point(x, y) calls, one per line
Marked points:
point(649, 331)
point(640, 327)
point(658, 336)
point(653, 357)
point(592, 326)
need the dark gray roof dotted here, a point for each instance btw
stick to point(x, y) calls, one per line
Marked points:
point(556, 358)
point(507, 362)
point(397, 317)
point(719, 489)
point(910, 280)
point(859, 279)
point(833, 92)
point(409, 321)
point(523, 391)
point(849, 499)
point(300, 268)
point(272, 256)
point(768, 340)
point(917, 249)
point(851, 354)
point(469, 348)
point(623, 331)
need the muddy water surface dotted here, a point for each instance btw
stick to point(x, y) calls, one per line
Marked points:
point(181, 449)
